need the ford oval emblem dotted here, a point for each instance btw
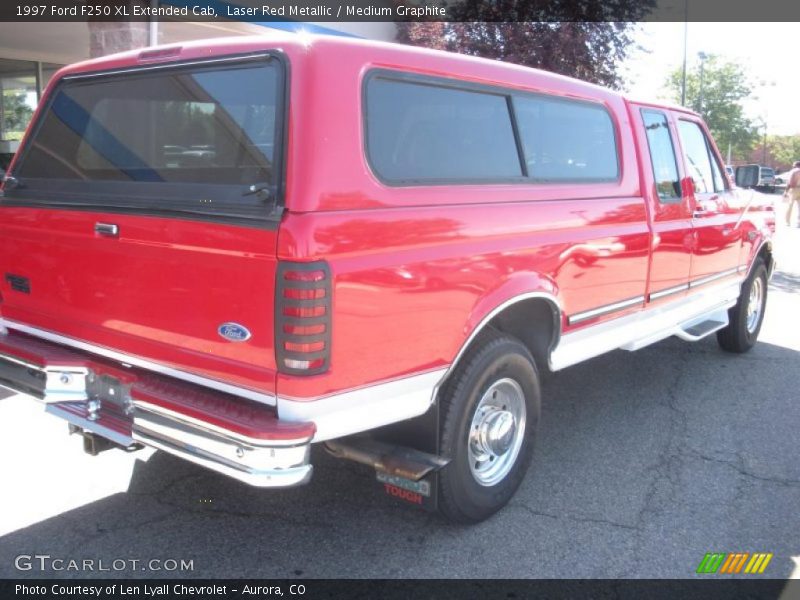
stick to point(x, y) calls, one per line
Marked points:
point(233, 332)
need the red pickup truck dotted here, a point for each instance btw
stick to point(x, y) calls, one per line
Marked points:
point(233, 250)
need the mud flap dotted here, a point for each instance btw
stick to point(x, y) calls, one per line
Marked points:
point(423, 493)
point(421, 433)
point(405, 457)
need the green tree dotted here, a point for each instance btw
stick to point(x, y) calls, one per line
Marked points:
point(16, 114)
point(784, 149)
point(724, 87)
point(587, 39)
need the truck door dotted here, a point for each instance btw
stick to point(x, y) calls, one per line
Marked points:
point(715, 211)
point(672, 218)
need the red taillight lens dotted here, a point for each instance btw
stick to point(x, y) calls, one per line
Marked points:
point(310, 275)
point(304, 311)
point(303, 294)
point(304, 329)
point(303, 318)
point(305, 348)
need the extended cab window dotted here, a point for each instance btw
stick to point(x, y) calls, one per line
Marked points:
point(703, 167)
point(186, 139)
point(566, 140)
point(418, 132)
point(662, 155)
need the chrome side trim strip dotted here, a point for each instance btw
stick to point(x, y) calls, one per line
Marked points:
point(709, 278)
point(604, 310)
point(264, 398)
point(668, 291)
point(696, 283)
point(642, 328)
point(364, 408)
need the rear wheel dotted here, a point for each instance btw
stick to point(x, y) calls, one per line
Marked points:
point(746, 317)
point(489, 415)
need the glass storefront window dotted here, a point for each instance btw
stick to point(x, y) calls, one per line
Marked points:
point(20, 89)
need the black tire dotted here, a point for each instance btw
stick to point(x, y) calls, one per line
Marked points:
point(737, 337)
point(494, 359)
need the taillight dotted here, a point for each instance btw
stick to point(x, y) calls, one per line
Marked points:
point(303, 318)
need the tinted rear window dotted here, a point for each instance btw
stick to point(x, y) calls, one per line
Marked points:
point(429, 130)
point(427, 133)
point(566, 140)
point(189, 138)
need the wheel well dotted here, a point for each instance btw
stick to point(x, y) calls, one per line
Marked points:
point(765, 254)
point(535, 322)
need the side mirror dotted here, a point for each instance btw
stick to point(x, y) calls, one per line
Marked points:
point(747, 176)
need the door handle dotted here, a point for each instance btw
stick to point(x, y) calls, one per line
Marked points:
point(706, 207)
point(106, 229)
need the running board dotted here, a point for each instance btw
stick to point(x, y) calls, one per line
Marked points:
point(697, 331)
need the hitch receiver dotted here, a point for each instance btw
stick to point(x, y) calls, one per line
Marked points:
point(94, 444)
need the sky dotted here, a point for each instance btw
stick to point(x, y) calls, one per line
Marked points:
point(765, 50)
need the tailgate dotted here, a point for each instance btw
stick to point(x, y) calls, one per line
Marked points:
point(141, 220)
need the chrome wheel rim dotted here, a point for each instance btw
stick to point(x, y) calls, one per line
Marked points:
point(496, 433)
point(754, 304)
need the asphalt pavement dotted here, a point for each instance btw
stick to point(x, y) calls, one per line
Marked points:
point(645, 462)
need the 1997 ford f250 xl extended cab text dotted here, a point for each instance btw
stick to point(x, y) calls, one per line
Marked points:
point(232, 250)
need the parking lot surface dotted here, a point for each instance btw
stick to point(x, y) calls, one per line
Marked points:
point(645, 462)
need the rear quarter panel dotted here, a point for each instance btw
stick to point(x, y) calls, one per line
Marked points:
point(415, 269)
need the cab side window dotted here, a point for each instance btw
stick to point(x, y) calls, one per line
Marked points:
point(719, 184)
point(700, 160)
point(662, 156)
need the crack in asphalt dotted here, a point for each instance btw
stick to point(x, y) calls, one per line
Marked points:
point(666, 465)
point(572, 517)
point(739, 467)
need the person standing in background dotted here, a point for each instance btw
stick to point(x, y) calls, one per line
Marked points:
point(793, 191)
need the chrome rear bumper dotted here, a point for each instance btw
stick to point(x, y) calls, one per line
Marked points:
point(230, 435)
point(255, 462)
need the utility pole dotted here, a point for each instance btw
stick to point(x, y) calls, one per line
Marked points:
point(685, 41)
point(702, 56)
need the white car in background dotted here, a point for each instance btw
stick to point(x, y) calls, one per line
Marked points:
point(781, 179)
